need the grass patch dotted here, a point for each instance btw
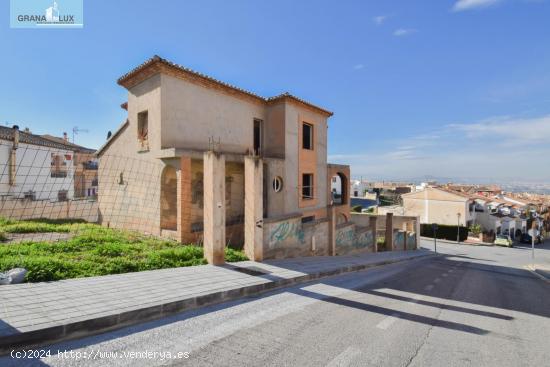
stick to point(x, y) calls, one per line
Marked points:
point(42, 225)
point(94, 250)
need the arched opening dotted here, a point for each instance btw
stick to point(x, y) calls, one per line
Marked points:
point(339, 187)
point(341, 219)
point(168, 199)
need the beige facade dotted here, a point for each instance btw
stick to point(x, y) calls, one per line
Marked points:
point(435, 205)
point(153, 175)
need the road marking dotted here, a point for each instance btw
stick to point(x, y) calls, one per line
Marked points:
point(450, 270)
point(437, 280)
point(445, 275)
point(345, 358)
point(429, 287)
point(387, 322)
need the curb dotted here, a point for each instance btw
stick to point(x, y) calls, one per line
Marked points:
point(487, 244)
point(542, 274)
point(79, 329)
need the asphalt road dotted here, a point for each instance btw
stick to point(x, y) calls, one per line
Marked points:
point(471, 306)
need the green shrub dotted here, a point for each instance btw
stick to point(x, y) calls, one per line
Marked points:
point(3, 236)
point(232, 255)
point(357, 208)
point(475, 229)
point(444, 232)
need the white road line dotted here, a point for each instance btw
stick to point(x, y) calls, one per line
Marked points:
point(429, 287)
point(437, 280)
point(345, 358)
point(387, 322)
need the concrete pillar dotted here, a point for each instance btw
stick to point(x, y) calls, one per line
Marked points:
point(372, 225)
point(184, 199)
point(389, 231)
point(214, 208)
point(332, 230)
point(253, 208)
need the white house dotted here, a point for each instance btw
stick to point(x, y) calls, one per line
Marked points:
point(33, 167)
point(359, 188)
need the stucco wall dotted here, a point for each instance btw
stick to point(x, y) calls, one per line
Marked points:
point(351, 239)
point(299, 161)
point(289, 237)
point(276, 201)
point(70, 209)
point(129, 179)
point(192, 113)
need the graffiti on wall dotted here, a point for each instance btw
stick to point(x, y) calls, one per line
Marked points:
point(348, 239)
point(345, 236)
point(399, 240)
point(286, 232)
point(364, 240)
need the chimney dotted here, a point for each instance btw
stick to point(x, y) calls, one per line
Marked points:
point(15, 136)
point(27, 130)
point(65, 137)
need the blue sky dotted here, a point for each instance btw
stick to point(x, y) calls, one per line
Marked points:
point(443, 87)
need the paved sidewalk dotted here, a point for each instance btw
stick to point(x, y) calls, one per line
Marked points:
point(39, 313)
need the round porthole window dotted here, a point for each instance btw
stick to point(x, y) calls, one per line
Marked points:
point(277, 184)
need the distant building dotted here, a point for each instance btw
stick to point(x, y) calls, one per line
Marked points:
point(437, 205)
point(33, 167)
point(85, 167)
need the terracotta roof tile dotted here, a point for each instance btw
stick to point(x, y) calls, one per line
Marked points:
point(126, 81)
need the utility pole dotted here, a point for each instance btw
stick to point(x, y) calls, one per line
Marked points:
point(458, 228)
point(434, 230)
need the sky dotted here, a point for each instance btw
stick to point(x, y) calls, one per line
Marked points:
point(444, 88)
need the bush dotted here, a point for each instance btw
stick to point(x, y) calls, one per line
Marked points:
point(475, 229)
point(357, 208)
point(444, 232)
point(3, 236)
point(381, 243)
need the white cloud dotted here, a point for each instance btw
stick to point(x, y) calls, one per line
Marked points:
point(500, 147)
point(401, 32)
point(462, 5)
point(508, 130)
point(380, 19)
point(358, 66)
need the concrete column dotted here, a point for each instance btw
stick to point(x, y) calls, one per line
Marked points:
point(372, 225)
point(389, 231)
point(214, 208)
point(332, 230)
point(253, 208)
point(184, 199)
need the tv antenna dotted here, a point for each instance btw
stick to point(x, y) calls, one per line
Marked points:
point(77, 130)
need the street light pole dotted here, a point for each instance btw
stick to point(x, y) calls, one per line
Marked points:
point(458, 228)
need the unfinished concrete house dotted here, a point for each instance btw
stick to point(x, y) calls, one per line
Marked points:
point(202, 161)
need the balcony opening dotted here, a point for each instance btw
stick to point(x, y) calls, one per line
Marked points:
point(257, 137)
